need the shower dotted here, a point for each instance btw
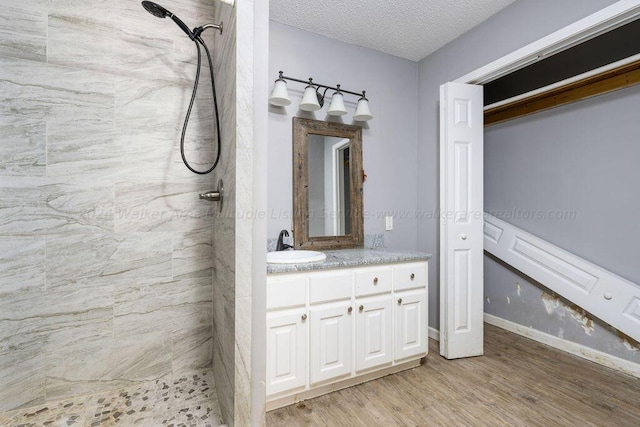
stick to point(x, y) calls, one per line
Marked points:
point(160, 12)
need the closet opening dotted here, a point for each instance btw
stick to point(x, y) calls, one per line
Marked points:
point(605, 63)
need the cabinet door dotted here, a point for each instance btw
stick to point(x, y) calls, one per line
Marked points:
point(373, 332)
point(411, 336)
point(330, 341)
point(286, 351)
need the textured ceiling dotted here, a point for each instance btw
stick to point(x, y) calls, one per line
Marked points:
point(410, 29)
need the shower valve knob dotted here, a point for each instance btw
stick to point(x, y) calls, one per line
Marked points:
point(212, 196)
point(215, 195)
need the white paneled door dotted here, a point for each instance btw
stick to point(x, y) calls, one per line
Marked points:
point(330, 341)
point(373, 332)
point(411, 336)
point(461, 220)
point(286, 351)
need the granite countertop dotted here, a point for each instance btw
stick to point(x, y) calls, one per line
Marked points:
point(345, 258)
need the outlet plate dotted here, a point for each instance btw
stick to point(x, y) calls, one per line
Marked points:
point(388, 220)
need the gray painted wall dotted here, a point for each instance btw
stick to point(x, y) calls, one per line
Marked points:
point(389, 140)
point(578, 163)
point(575, 158)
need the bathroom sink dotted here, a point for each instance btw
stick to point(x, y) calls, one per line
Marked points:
point(294, 257)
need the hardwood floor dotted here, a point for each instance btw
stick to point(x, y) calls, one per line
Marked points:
point(518, 382)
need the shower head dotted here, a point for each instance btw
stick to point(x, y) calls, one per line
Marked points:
point(155, 9)
point(160, 12)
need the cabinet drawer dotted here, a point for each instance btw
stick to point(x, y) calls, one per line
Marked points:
point(283, 292)
point(410, 276)
point(327, 287)
point(371, 281)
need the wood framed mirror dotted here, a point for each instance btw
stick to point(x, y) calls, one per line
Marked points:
point(327, 185)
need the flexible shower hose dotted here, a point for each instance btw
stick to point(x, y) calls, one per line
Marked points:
point(193, 98)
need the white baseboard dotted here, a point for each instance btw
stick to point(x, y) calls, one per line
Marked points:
point(579, 350)
point(434, 334)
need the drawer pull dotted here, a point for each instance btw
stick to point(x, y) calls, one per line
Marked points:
point(304, 317)
point(375, 280)
point(349, 310)
point(413, 276)
point(399, 300)
point(361, 308)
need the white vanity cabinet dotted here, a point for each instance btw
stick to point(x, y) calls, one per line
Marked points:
point(411, 334)
point(374, 317)
point(410, 305)
point(287, 344)
point(287, 333)
point(330, 341)
point(374, 333)
point(330, 329)
point(330, 325)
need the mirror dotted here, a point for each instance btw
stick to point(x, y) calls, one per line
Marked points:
point(329, 196)
point(327, 185)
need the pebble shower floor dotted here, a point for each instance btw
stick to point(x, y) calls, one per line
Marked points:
point(187, 401)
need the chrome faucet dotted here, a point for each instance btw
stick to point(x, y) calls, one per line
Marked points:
point(281, 246)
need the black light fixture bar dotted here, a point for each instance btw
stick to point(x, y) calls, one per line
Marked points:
point(312, 83)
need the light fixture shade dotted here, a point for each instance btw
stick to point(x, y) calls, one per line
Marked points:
point(279, 95)
point(336, 108)
point(363, 113)
point(310, 100)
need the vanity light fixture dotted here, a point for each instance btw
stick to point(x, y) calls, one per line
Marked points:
point(313, 100)
point(279, 95)
point(336, 108)
point(363, 113)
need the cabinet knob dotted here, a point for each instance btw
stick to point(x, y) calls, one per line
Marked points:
point(399, 300)
point(349, 310)
point(361, 308)
point(375, 280)
point(413, 276)
point(304, 317)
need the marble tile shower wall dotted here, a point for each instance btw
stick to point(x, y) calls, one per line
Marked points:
point(106, 264)
point(224, 240)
